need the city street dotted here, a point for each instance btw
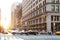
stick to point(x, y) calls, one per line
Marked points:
point(39, 37)
point(8, 37)
point(29, 19)
point(28, 37)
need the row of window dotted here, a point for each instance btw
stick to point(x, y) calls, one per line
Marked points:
point(31, 2)
point(55, 18)
point(32, 14)
point(55, 1)
point(36, 21)
point(35, 12)
point(55, 8)
point(25, 3)
point(28, 7)
point(39, 20)
point(33, 22)
point(37, 1)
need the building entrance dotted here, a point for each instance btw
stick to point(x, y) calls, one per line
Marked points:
point(55, 27)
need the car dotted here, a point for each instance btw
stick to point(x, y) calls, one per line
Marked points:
point(16, 31)
point(4, 32)
point(13, 32)
point(44, 32)
point(57, 32)
point(31, 32)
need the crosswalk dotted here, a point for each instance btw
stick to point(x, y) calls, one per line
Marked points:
point(8, 37)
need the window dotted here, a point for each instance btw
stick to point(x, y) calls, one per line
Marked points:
point(39, 20)
point(36, 21)
point(33, 21)
point(40, 10)
point(36, 1)
point(31, 14)
point(40, 5)
point(44, 9)
point(34, 4)
point(54, 18)
point(57, 1)
point(37, 12)
point(33, 0)
point(51, 18)
point(53, 7)
point(44, 2)
point(36, 7)
point(34, 13)
point(57, 18)
point(33, 9)
point(39, 0)
point(53, 1)
point(57, 8)
point(44, 19)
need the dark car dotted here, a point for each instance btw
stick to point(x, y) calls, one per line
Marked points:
point(30, 32)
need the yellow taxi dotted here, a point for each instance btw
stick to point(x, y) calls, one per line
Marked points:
point(57, 32)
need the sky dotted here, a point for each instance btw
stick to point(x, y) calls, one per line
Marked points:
point(5, 6)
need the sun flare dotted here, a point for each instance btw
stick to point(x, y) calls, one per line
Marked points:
point(5, 6)
point(5, 20)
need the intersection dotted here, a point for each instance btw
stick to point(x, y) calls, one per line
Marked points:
point(28, 37)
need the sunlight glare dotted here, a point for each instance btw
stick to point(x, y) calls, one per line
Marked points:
point(5, 6)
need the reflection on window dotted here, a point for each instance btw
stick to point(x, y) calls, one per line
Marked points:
point(53, 7)
point(57, 8)
point(57, 1)
point(53, 1)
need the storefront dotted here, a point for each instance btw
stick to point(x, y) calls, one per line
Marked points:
point(55, 27)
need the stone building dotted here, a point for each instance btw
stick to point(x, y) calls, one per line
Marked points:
point(41, 15)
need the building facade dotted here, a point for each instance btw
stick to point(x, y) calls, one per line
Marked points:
point(41, 15)
point(0, 17)
point(16, 15)
point(19, 15)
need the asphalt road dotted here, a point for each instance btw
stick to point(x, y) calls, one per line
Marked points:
point(9, 37)
point(28, 37)
point(39, 37)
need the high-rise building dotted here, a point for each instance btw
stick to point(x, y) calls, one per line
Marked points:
point(41, 15)
point(19, 15)
point(1, 28)
point(0, 17)
point(16, 15)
